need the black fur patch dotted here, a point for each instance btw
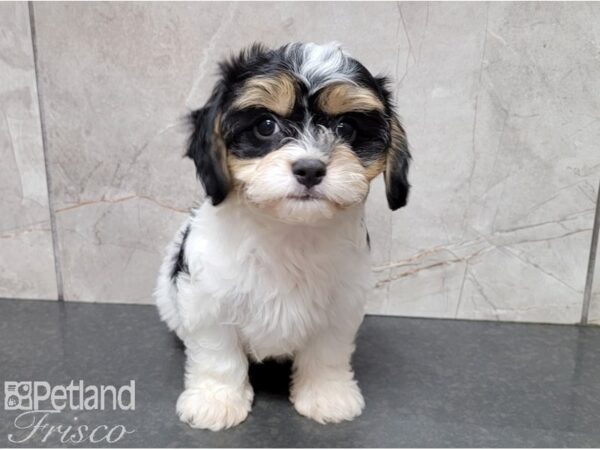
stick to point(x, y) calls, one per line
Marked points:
point(180, 263)
point(205, 151)
point(397, 185)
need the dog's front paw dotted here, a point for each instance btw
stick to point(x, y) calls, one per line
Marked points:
point(328, 401)
point(214, 407)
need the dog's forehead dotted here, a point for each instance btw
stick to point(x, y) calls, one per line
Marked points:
point(319, 65)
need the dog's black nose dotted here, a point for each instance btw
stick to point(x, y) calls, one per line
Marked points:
point(309, 172)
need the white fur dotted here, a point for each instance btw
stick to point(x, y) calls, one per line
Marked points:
point(322, 64)
point(263, 288)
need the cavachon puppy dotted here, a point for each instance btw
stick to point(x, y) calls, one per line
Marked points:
point(276, 264)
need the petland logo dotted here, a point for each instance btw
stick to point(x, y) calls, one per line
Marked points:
point(39, 400)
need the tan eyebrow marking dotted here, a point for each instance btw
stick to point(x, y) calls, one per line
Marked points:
point(343, 97)
point(276, 93)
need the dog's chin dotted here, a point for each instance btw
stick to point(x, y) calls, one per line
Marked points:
point(300, 209)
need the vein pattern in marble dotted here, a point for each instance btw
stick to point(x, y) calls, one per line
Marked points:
point(26, 254)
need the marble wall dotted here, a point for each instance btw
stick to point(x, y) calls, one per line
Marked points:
point(504, 122)
point(26, 253)
point(498, 99)
point(594, 308)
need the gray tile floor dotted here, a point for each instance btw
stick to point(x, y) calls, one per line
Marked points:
point(426, 382)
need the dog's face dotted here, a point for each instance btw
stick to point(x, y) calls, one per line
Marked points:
point(299, 132)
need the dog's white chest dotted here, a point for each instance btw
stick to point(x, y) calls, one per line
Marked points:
point(277, 286)
point(282, 296)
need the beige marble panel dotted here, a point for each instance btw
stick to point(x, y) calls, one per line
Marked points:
point(26, 254)
point(504, 122)
point(497, 100)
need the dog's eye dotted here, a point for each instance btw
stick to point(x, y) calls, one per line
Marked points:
point(345, 130)
point(266, 128)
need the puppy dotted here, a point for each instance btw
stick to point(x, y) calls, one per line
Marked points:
point(276, 264)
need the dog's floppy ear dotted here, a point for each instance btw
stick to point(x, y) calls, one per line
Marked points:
point(207, 148)
point(396, 167)
point(398, 156)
